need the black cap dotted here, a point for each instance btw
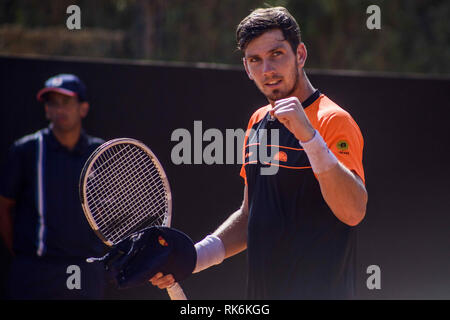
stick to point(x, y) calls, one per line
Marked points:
point(153, 250)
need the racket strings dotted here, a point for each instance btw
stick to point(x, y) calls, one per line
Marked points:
point(125, 190)
point(116, 175)
point(132, 189)
point(97, 190)
point(132, 221)
point(112, 185)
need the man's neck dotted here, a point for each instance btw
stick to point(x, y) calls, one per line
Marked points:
point(305, 89)
point(68, 139)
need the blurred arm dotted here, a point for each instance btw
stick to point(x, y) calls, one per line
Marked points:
point(6, 225)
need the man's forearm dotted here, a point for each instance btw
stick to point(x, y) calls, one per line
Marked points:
point(344, 193)
point(229, 239)
point(233, 233)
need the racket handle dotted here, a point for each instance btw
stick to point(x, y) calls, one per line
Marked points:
point(176, 293)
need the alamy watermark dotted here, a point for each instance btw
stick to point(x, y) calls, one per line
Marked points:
point(225, 148)
point(374, 20)
point(74, 279)
point(73, 22)
point(374, 280)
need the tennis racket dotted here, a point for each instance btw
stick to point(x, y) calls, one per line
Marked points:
point(123, 190)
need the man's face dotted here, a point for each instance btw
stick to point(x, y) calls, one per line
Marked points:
point(65, 112)
point(272, 65)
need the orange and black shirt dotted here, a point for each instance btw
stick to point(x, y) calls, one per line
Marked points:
point(297, 248)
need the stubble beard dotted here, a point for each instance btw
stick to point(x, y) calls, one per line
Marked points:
point(278, 94)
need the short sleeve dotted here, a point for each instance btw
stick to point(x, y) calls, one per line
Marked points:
point(257, 116)
point(344, 139)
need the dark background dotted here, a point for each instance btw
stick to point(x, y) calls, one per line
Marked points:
point(404, 121)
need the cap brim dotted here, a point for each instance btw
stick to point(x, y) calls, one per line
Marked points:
point(40, 94)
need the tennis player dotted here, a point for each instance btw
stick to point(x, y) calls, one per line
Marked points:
point(298, 225)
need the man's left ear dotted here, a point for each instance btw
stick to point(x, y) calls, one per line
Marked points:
point(84, 109)
point(302, 54)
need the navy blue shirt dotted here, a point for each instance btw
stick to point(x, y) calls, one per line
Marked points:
point(42, 176)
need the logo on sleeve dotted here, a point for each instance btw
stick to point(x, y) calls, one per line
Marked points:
point(342, 146)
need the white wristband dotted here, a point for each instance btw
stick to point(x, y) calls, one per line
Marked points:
point(320, 157)
point(210, 251)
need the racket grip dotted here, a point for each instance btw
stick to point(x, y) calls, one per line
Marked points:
point(176, 293)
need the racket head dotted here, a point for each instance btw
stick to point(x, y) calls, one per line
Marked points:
point(123, 189)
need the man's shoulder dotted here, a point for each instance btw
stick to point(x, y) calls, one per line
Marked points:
point(29, 139)
point(259, 114)
point(328, 116)
point(94, 141)
point(262, 111)
point(328, 108)
point(325, 111)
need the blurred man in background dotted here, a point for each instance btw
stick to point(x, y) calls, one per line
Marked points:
point(41, 220)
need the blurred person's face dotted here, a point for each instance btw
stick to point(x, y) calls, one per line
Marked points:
point(271, 63)
point(65, 112)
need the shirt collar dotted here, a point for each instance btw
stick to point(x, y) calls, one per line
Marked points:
point(53, 143)
point(310, 100)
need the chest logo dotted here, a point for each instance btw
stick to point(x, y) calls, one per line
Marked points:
point(280, 156)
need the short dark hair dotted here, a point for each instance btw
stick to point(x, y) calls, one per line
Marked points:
point(262, 20)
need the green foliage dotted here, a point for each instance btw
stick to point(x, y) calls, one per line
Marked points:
point(414, 35)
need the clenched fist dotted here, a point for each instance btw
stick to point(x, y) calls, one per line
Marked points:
point(290, 113)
